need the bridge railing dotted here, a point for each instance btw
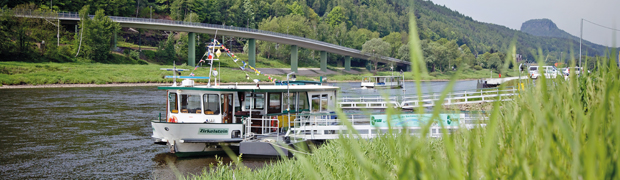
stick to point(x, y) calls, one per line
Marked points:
point(76, 16)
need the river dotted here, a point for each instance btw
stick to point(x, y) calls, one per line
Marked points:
point(104, 132)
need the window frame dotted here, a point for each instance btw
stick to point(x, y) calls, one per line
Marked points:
point(206, 101)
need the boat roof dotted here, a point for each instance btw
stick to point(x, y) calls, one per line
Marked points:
point(254, 88)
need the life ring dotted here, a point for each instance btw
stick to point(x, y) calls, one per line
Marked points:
point(274, 123)
point(173, 119)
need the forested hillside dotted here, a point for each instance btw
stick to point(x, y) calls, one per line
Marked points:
point(546, 28)
point(448, 37)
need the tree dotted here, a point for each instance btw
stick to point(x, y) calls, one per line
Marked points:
point(403, 52)
point(395, 39)
point(336, 16)
point(376, 47)
point(97, 35)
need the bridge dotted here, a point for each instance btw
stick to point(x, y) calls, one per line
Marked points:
point(251, 34)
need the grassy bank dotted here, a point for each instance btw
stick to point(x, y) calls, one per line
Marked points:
point(13, 73)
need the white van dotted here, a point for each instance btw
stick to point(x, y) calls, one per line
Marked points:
point(549, 71)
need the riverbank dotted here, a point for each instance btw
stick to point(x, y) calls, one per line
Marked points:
point(92, 74)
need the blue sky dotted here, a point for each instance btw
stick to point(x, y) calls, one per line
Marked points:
point(566, 14)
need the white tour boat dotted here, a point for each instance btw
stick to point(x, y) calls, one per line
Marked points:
point(382, 82)
point(205, 119)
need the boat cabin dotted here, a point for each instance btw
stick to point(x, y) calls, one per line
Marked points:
point(228, 104)
point(381, 81)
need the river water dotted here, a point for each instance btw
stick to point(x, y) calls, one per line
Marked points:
point(104, 132)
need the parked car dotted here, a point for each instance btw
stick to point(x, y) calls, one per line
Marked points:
point(549, 71)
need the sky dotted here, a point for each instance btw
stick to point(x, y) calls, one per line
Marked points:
point(566, 14)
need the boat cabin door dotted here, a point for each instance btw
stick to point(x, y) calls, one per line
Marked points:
point(227, 107)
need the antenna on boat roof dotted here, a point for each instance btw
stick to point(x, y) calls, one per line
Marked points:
point(175, 72)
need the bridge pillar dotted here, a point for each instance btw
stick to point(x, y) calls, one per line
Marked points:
point(323, 61)
point(252, 52)
point(347, 63)
point(294, 58)
point(191, 50)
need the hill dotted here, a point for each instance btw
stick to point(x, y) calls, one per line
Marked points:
point(546, 28)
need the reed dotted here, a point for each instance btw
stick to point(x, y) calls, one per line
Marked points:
point(554, 129)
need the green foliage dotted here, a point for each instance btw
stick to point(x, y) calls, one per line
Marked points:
point(134, 54)
point(477, 67)
point(395, 40)
point(336, 16)
point(166, 53)
point(377, 48)
point(96, 36)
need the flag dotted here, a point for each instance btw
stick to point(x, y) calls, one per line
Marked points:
point(196, 68)
point(201, 61)
point(235, 59)
point(191, 74)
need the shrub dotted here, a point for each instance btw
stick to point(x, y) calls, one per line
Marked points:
point(134, 54)
point(477, 67)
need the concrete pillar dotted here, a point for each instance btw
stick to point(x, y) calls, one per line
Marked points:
point(191, 49)
point(294, 58)
point(347, 63)
point(252, 52)
point(323, 61)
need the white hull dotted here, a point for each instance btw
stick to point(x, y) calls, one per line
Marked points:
point(382, 85)
point(196, 137)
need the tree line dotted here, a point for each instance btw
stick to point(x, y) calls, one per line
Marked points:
point(449, 39)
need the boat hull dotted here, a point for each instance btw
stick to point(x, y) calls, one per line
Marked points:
point(192, 139)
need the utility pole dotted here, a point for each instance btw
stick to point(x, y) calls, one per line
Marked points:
point(151, 12)
point(580, 38)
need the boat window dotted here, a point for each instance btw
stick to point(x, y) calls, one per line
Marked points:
point(324, 102)
point(316, 103)
point(190, 103)
point(302, 102)
point(292, 106)
point(274, 105)
point(259, 101)
point(246, 101)
point(212, 104)
point(172, 102)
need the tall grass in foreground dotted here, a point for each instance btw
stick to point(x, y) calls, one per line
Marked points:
point(554, 129)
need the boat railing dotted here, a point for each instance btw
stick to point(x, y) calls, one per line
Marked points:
point(330, 126)
point(369, 102)
point(266, 125)
point(464, 97)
